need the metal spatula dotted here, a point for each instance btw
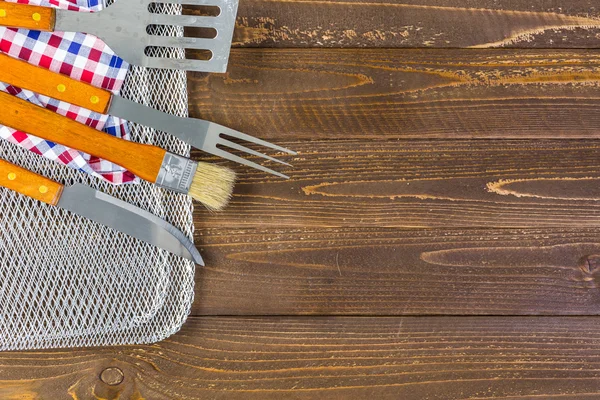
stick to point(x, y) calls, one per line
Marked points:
point(124, 28)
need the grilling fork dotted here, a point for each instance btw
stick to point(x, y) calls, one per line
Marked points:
point(123, 27)
point(200, 134)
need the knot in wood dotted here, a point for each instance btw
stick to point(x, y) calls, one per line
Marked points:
point(112, 376)
point(591, 263)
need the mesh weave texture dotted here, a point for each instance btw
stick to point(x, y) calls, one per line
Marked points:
point(69, 282)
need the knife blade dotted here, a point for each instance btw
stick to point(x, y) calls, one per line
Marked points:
point(101, 208)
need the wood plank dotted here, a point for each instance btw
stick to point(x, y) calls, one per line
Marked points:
point(369, 271)
point(418, 23)
point(421, 184)
point(360, 93)
point(328, 358)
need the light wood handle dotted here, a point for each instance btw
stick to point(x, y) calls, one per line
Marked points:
point(141, 159)
point(39, 80)
point(28, 17)
point(29, 183)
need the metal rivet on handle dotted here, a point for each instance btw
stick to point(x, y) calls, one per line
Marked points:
point(95, 99)
point(61, 88)
point(12, 176)
point(43, 189)
point(36, 17)
point(2, 13)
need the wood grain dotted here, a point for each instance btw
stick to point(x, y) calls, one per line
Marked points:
point(378, 271)
point(390, 231)
point(141, 159)
point(30, 184)
point(418, 23)
point(421, 184)
point(328, 358)
point(27, 17)
point(387, 93)
point(40, 80)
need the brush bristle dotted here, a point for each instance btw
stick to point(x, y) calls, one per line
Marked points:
point(212, 185)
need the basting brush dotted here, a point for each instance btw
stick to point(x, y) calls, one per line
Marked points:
point(210, 184)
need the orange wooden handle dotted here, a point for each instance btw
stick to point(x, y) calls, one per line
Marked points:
point(27, 17)
point(39, 80)
point(29, 183)
point(141, 159)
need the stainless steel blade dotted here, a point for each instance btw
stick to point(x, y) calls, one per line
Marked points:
point(198, 133)
point(129, 219)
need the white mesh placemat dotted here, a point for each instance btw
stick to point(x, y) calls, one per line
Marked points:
point(69, 282)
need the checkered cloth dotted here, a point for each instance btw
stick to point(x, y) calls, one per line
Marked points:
point(82, 57)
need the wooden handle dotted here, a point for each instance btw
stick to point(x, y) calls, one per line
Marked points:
point(39, 80)
point(28, 17)
point(29, 183)
point(141, 159)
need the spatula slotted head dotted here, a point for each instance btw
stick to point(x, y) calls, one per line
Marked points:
point(126, 27)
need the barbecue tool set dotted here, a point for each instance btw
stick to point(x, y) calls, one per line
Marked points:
point(124, 26)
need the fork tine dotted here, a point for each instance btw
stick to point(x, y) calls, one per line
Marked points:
point(243, 136)
point(232, 157)
point(235, 146)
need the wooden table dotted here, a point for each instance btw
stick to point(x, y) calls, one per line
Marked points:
point(438, 237)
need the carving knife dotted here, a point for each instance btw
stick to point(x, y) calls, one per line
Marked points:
point(198, 133)
point(100, 207)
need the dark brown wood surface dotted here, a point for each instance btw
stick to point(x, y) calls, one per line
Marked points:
point(438, 238)
point(422, 184)
point(292, 94)
point(386, 271)
point(328, 358)
point(418, 23)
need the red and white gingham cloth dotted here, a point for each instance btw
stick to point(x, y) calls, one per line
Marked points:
point(82, 57)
